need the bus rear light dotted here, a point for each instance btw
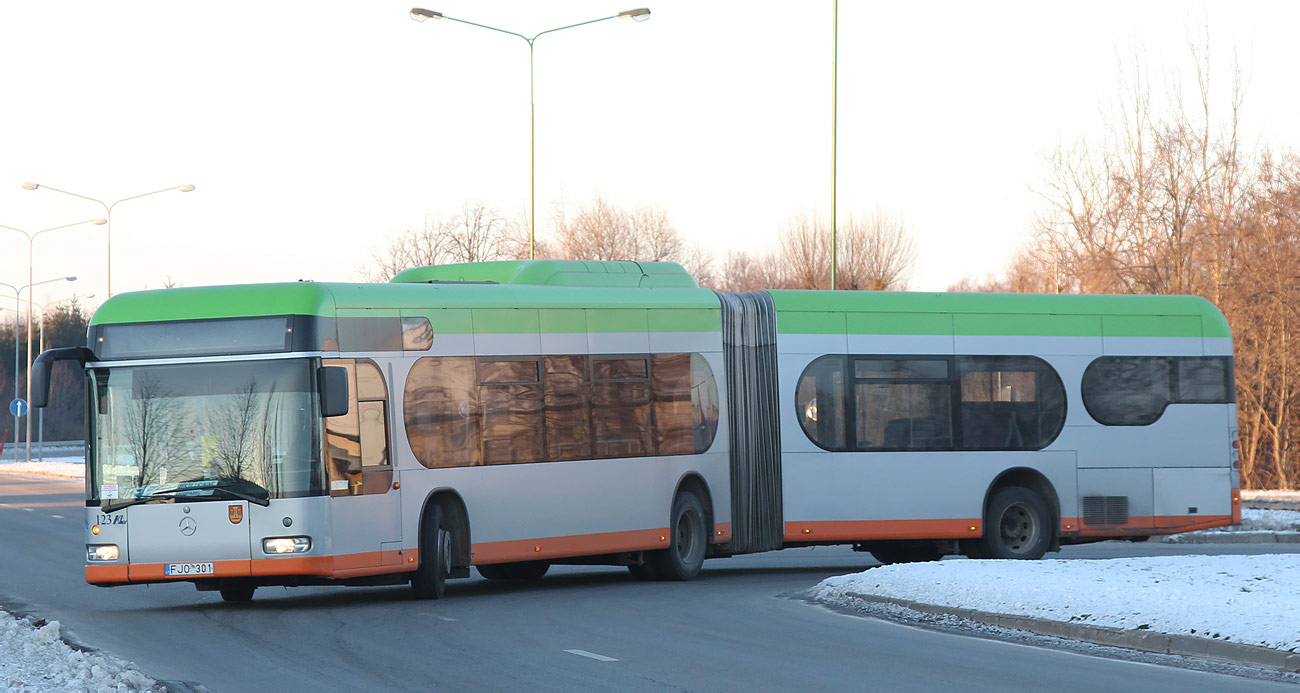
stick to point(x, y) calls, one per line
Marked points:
point(277, 545)
point(101, 552)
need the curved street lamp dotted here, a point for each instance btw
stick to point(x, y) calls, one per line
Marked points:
point(639, 14)
point(108, 214)
point(18, 290)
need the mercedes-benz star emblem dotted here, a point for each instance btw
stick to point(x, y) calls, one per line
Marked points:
point(188, 525)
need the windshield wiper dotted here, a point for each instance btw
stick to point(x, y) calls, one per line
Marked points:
point(242, 496)
point(190, 489)
point(156, 495)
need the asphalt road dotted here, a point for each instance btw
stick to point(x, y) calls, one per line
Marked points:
point(735, 628)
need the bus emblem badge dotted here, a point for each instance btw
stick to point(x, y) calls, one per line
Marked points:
point(236, 514)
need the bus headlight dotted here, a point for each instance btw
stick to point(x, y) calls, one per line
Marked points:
point(286, 544)
point(101, 552)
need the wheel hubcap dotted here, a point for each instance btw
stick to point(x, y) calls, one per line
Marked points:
point(685, 539)
point(1019, 528)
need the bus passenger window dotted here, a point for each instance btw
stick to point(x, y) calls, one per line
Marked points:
point(704, 404)
point(1134, 390)
point(673, 412)
point(417, 334)
point(1009, 403)
point(511, 395)
point(1127, 390)
point(1206, 379)
point(566, 408)
point(819, 402)
point(902, 404)
point(621, 407)
point(441, 412)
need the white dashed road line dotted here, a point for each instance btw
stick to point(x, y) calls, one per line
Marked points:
point(592, 655)
point(57, 517)
point(30, 510)
point(445, 618)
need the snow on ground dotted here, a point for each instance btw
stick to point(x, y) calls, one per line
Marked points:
point(1270, 495)
point(1249, 600)
point(1262, 520)
point(36, 659)
point(66, 467)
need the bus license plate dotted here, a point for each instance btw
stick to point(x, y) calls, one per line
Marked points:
point(187, 569)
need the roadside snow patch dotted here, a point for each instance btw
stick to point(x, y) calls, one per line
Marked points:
point(1249, 600)
point(37, 659)
point(66, 468)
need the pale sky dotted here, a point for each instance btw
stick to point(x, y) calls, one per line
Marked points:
point(314, 131)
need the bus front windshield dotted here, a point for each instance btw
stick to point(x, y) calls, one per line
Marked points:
point(159, 429)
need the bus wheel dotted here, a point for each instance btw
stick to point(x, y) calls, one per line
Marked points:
point(1018, 525)
point(237, 593)
point(430, 579)
point(688, 537)
point(525, 570)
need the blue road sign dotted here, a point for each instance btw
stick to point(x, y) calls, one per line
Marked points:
point(18, 407)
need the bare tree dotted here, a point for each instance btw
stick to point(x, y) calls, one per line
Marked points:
point(876, 253)
point(698, 262)
point(806, 252)
point(601, 231)
point(477, 234)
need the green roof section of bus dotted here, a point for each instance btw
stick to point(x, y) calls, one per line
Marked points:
point(1065, 315)
point(208, 302)
point(614, 274)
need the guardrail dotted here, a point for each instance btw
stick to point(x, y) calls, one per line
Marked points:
point(50, 449)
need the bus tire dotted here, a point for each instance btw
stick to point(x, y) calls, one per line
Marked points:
point(1018, 525)
point(525, 570)
point(237, 593)
point(687, 541)
point(430, 579)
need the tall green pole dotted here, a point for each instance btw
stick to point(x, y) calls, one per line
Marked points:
point(835, 52)
point(532, 159)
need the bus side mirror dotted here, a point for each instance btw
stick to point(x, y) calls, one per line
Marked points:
point(45, 363)
point(332, 383)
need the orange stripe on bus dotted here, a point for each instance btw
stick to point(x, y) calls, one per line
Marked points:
point(1144, 524)
point(861, 530)
point(345, 566)
point(568, 546)
point(104, 574)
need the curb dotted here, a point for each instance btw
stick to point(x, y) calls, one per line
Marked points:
point(1143, 640)
point(1234, 538)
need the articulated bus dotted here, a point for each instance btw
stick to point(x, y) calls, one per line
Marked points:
point(514, 415)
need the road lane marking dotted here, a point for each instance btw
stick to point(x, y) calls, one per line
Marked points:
point(60, 517)
point(592, 655)
point(30, 510)
point(445, 618)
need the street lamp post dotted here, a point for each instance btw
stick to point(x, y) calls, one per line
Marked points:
point(108, 214)
point(18, 291)
point(31, 243)
point(640, 14)
point(835, 55)
point(40, 415)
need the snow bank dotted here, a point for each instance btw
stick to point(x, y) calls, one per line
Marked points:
point(1263, 520)
point(36, 659)
point(63, 467)
point(1270, 495)
point(1249, 600)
